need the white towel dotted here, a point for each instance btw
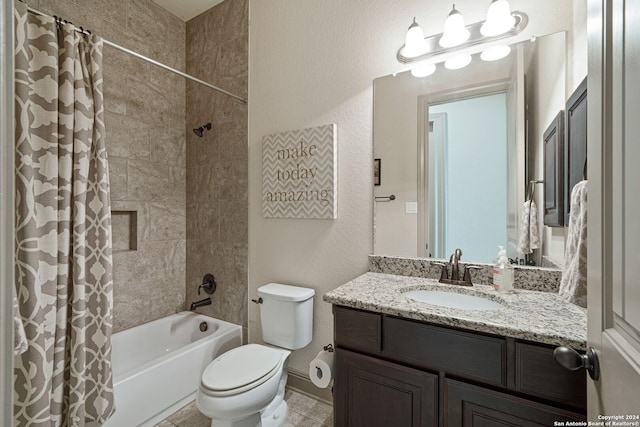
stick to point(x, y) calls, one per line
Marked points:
point(19, 337)
point(529, 229)
point(573, 286)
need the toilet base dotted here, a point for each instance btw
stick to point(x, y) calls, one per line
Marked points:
point(273, 415)
point(275, 418)
point(252, 420)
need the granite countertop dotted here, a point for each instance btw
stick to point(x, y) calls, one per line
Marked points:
point(542, 317)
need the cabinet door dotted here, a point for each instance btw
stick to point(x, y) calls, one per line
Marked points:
point(575, 147)
point(472, 406)
point(375, 393)
point(554, 172)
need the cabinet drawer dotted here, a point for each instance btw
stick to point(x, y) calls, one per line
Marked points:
point(357, 330)
point(538, 374)
point(471, 355)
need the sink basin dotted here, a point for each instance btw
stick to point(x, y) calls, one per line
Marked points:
point(453, 300)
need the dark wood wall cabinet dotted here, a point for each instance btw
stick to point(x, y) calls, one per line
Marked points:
point(575, 154)
point(554, 172)
point(565, 157)
point(397, 372)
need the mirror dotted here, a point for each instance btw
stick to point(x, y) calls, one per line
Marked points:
point(458, 148)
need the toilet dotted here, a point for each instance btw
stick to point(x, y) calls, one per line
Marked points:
point(244, 387)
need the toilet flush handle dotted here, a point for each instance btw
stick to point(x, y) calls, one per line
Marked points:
point(257, 301)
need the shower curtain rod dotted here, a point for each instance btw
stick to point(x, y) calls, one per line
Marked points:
point(156, 63)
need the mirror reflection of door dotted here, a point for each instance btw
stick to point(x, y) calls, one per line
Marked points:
point(436, 186)
point(466, 180)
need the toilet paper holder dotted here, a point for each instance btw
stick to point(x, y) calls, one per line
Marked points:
point(329, 348)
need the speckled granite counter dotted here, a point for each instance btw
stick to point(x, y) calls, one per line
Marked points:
point(525, 277)
point(542, 317)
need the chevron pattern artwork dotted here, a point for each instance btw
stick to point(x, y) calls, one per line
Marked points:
point(299, 174)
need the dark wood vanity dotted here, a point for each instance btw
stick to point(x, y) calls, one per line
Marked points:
point(391, 371)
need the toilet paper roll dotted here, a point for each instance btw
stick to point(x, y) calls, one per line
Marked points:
point(321, 369)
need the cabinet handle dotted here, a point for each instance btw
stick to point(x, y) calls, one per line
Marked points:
point(572, 360)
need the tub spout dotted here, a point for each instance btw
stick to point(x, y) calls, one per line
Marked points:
point(201, 303)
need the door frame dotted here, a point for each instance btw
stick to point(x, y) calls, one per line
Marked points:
point(434, 239)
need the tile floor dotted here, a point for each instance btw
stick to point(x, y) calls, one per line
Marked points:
point(304, 411)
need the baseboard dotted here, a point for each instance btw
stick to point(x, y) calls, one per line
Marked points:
point(300, 382)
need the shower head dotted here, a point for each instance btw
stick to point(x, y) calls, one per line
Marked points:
point(200, 131)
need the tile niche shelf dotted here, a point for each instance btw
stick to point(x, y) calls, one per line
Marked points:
point(124, 226)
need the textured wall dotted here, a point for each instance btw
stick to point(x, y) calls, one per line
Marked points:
point(144, 115)
point(311, 63)
point(217, 45)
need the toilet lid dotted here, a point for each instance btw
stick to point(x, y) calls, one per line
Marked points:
point(242, 368)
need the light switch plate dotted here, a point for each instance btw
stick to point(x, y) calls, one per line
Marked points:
point(411, 207)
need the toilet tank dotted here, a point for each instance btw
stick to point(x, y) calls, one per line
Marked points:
point(286, 315)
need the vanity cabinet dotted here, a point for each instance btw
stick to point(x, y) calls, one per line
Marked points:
point(391, 371)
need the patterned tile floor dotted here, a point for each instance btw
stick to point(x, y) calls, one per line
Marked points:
point(304, 411)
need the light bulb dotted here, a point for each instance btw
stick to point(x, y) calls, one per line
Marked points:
point(415, 44)
point(423, 69)
point(499, 19)
point(454, 32)
point(458, 62)
point(495, 53)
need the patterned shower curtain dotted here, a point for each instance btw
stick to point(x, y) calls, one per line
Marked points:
point(63, 227)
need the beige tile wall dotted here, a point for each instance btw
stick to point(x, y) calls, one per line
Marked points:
point(145, 122)
point(217, 237)
point(165, 177)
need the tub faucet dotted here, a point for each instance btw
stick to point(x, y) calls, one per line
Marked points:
point(201, 303)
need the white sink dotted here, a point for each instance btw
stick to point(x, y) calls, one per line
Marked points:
point(453, 300)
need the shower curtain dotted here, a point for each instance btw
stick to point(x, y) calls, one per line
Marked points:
point(63, 227)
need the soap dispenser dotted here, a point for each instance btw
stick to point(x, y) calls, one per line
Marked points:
point(503, 272)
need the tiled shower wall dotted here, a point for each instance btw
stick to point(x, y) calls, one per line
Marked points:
point(145, 125)
point(217, 182)
point(158, 253)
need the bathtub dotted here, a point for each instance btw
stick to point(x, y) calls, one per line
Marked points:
point(157, 366)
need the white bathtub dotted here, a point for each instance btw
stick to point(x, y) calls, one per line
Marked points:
point(157, 366)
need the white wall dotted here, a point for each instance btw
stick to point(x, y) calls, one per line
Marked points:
point(547, 98)
point(312, 62)
point(577, 47)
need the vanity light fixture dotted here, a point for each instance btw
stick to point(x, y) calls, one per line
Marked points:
point(495, 53)
point(455, 33)
point(457, 62)
point(428, 67)
point(415, 44)
point(499, 19)
point(423, 69)
point(499, 25)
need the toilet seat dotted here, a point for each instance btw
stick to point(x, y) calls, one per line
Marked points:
point(240, 369)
